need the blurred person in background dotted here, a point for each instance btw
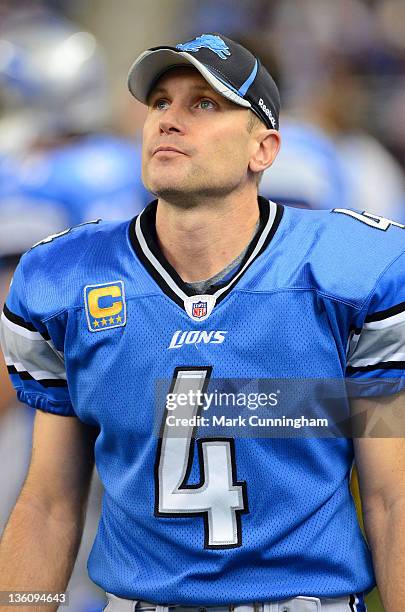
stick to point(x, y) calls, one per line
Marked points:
point(55, 148)
point(59, 167)
point(318, 180)
point(345, 63)
point(374, 178)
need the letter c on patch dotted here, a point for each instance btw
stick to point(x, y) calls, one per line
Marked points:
point(93, 297)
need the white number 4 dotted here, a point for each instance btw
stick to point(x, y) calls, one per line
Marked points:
point(370, 219)
point(218, 498)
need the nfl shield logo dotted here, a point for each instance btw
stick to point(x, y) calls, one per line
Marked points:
point(199, 309)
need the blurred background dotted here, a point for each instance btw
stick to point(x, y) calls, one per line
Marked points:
point(70, 135)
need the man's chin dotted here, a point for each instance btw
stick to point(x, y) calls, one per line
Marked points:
point(186, 191)
point(181, 195)
point(167, 187)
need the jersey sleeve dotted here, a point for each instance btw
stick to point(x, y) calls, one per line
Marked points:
point(376, 350)
point(36, 366)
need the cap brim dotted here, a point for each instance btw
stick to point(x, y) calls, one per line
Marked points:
point(152, 64)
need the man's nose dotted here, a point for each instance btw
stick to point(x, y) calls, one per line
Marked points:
point(172, 120)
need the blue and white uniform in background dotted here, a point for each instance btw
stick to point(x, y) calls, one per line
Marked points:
point(308, 171)
point(315, 171)
point(93, 322)
point(375, 179)
point(42, 193)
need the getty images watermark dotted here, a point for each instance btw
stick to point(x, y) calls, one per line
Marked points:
point(195, 404)
point(249, 401)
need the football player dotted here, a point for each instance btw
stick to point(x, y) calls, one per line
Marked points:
point(115, 331)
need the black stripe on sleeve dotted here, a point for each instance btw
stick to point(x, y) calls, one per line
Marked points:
point(383, 365)
point(56, 382)
point(22, 323)
point(385, 314)
point(45, 382)
point(18, 320)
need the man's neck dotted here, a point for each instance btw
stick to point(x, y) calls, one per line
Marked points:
point(202, 240)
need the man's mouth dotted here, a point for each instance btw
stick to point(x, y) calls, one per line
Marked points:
point(168, 150)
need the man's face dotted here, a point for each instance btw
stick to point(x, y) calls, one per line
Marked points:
point(195, 142)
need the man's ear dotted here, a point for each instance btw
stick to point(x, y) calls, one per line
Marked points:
point(265, 151)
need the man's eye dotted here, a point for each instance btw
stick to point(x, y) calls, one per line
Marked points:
point(206, 104)
point(161, 104)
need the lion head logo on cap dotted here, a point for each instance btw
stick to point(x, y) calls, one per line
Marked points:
point(209, 41)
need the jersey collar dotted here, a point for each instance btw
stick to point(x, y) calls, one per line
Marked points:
point(142, 234)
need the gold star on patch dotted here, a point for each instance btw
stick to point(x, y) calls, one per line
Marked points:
point(96, 324)
point(112, 321)
point(103, 322)
point(118, 319)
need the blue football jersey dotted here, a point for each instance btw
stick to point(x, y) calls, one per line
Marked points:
point(97, 321)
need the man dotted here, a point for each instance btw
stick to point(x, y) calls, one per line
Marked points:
point(207, 284)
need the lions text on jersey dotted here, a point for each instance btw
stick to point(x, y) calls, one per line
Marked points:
point(97, 315)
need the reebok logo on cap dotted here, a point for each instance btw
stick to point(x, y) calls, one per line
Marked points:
point(267, 112)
